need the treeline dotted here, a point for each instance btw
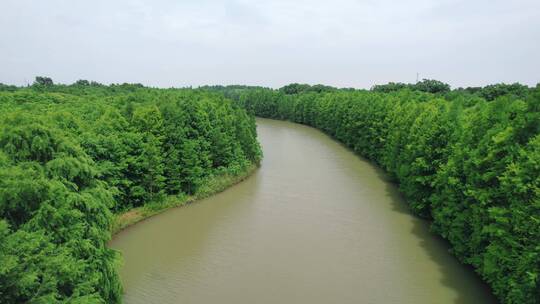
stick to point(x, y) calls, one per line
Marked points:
point(72, 155)
point(469, 164)
point(436, 87)
point(489, 92)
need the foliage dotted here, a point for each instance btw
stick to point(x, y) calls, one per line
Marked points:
point(43, 81)
point(426, 85)
point(296, 88)
point(71, 155)
point(492, 92)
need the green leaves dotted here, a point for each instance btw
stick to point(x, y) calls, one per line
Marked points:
point(70, 155)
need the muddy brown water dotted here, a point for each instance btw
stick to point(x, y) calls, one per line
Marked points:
point(315, 224)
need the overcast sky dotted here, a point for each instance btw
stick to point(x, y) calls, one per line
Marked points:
point(345, 43)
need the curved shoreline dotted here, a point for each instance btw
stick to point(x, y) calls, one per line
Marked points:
point(283, 225)
point(213, 186)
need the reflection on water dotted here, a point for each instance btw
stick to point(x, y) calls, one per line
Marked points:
point(316, 224)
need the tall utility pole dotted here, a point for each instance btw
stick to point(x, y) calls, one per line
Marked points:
point(417, 77)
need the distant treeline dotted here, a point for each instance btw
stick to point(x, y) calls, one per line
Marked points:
point(489, 92)
point(72, 155)
point(467, 159)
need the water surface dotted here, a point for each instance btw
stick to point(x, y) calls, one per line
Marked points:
point(316, 224)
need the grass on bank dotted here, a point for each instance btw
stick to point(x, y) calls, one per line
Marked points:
point(212, 186)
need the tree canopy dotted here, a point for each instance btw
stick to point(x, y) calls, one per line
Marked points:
point(72, 155)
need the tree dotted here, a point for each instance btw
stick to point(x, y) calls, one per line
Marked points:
point(82, 82)
point(432, 86)
point(43, 81)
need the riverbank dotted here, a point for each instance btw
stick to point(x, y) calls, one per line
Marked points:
point(468, 164)
point(213, 186)
point(315, 222)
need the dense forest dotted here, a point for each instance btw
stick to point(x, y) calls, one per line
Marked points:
point(73, 156)
point(467, 159)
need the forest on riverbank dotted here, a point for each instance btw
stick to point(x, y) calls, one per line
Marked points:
point(74, 156)
point(466, 159)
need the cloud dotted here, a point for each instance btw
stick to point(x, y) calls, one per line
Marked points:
point(341, 42)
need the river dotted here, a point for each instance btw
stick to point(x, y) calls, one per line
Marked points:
point(315, 224)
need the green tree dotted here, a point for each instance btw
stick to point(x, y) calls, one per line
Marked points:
point(43, 81)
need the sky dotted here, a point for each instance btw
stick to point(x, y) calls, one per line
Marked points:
point(343, 43)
